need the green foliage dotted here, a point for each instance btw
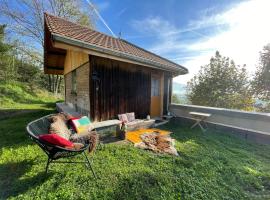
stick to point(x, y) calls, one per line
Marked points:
point(6, 58)
point(261, 82)
point(71, 10)
point(27, 21)
point(3, 47)
point(221, 84)
point(176, 99)
point(15, 66)
point(215, 165)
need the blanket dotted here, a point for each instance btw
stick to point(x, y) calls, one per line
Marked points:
point(157, 143)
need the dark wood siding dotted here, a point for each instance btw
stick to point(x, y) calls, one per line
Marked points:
point(118, 87)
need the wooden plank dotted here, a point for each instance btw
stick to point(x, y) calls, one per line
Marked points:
point(200, 114)
point(74, 60)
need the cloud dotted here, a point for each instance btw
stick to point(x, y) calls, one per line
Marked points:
point(239, 32)
point(245, 36)
point(165, 33)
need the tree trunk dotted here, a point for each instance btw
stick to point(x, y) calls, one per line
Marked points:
point(59, 85)
point(56, 84)
point(53, 80)
point(50, 83)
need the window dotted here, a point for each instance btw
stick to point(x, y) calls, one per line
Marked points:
point(74, 82)
point(155, 86)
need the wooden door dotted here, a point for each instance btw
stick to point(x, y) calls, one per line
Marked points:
point(155, 110)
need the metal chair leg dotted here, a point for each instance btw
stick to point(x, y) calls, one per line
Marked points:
point(47, 166)
point(89, 164)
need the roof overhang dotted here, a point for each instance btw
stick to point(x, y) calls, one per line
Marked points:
point(175, 70)
point(54, 58)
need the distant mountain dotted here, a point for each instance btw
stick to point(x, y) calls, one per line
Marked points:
point(179, 88)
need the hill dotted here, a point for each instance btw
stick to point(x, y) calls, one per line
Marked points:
point(17, 95)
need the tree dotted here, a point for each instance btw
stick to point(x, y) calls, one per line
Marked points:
point(27, 18)
point(221, 84)
point(6, 59)
point(261, 81)
point(176, 99)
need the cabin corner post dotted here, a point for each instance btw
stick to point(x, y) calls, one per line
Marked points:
point(167, 92)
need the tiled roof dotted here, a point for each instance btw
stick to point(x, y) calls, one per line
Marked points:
point(61, 27)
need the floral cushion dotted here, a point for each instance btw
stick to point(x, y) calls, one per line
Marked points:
point(123, 117)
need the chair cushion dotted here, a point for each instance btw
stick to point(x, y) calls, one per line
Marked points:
point(131, 116)
point(56, 140)
point(123, 117)
point(81, 125)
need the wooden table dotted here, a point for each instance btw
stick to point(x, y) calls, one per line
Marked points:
point(135, 136)
point(200, 119)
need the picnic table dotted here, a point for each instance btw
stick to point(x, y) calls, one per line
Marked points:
point(200, 119)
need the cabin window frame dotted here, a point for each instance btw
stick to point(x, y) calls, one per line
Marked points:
point(74, 82)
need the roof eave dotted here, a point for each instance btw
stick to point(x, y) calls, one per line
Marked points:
point(176, 70)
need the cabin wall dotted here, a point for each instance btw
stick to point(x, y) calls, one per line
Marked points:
point(74, 59)
point(123, 87)
point(118, 87)
point(79, 100)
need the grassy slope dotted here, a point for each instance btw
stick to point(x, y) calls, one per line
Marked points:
point(210, 166)
point(17, 95)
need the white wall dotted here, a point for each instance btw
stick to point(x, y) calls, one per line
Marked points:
point(250, 121)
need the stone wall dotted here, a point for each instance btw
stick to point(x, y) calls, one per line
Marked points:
point(80, 101)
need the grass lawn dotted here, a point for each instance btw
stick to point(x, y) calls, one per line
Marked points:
point(17, 95)
point(210, 166)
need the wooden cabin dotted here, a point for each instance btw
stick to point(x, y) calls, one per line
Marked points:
point(105, 76)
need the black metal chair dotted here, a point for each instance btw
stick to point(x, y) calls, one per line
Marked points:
point(54, 152)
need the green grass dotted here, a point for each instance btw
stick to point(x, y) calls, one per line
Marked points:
point(213, 165)
point(17, 95)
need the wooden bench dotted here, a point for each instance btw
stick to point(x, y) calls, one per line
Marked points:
point(200, 119)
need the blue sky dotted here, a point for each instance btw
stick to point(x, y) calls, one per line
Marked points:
point(189, 32)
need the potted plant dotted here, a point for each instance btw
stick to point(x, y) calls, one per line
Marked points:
point(123, 129)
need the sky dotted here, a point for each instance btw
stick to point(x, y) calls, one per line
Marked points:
point(189, 32)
